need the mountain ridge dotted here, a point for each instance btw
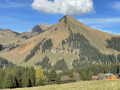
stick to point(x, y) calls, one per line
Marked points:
point(59, 34)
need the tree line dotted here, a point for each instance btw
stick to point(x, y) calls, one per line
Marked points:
point(20, 77)
point(87, 72)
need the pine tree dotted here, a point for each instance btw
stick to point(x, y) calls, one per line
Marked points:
point(58, 80)
point(84, 76)
point(52, 76)
point(17, 72)
point(26, 78)
point(39, 76)
point(32, 76)
point(2, 77)
point(10, 81)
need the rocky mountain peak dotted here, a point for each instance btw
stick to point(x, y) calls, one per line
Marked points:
point(40, 27)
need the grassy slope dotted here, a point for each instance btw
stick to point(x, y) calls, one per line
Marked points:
point(82, 85)
point(9, 37)
point(96, 38)
point(58, 33)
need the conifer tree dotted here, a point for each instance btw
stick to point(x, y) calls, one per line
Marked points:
point(2, 77)
point(32, 76)
point(58, 80)
point(26, 82)
point(52, 76)
point(10, 81)
point(84, 76)
point(17, 72)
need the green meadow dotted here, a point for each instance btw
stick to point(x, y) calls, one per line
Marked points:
point(82, 85)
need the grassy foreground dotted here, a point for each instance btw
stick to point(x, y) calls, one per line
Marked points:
point(82, 85)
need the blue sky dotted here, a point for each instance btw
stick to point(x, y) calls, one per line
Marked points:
point(22, 15)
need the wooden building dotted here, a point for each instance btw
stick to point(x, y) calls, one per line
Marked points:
point(110, 76)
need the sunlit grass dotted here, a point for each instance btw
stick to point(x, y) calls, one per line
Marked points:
point(82, 85)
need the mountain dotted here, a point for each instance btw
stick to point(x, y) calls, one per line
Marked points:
point(9, 37)
point(40, 27)
point(67, 44)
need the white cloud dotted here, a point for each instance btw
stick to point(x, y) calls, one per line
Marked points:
point(116, 5)
point(72, 7)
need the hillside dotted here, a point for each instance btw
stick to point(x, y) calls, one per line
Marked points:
point(8, 37)
point(76, 43)
point(82, 85)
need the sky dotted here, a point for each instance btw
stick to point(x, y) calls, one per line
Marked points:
point(22, 15)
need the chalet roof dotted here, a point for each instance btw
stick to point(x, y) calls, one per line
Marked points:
point(108, 74)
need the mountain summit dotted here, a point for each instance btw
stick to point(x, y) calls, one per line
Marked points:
point(40, 27)
point(68, 42)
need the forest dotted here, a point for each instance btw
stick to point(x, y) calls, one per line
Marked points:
point(114, 43)
point(20, 77)
point(47, 45)
point(87, 52)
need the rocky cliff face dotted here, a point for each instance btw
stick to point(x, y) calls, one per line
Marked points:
point(40, 27)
